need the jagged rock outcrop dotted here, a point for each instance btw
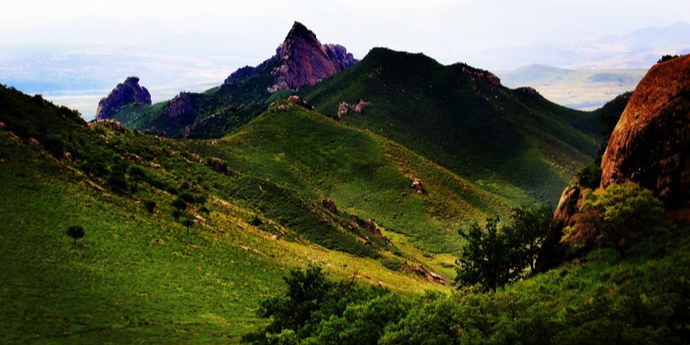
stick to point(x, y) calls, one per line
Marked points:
point(477, 73)
point(650, 145)
point(125, 93)
point(109, 123)
point(297, 100)
point(181, 107)
point(305, 61)
point(553, 251)
point(344, 108)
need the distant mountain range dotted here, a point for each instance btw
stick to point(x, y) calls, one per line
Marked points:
point(639, 49)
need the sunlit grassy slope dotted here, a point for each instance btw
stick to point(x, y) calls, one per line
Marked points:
point(144, 278)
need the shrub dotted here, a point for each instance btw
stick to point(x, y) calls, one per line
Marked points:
point(179, 204)
point(76, 232)
point(392, 264)
point(150, 206)
point(256, 221)
point(589, 176)
point(667, 58)
point(614, 217)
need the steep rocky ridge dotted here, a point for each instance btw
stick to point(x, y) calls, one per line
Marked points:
point(301, 60)
point(125, 93)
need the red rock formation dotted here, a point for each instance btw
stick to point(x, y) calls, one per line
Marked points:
point(651, 142)
point(650, 145)
point(305, 61)
point(126, 93)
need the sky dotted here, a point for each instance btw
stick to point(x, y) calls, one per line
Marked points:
point(89, 46)
point(444, 29)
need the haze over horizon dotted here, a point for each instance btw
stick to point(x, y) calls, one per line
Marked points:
point(78, 49)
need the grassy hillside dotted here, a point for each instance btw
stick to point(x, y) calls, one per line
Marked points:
point(363, 173)
point(141, 278)
point(512, 143)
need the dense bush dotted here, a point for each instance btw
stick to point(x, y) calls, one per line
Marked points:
point(614, 217)
point(315, 310)
point(392, 264)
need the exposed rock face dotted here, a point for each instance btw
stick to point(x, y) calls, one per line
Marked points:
point(651, 142)
point(370, 226)
point(181, 107)
point(297, 100)
point(553, 251)
point(344, 108)
point(418, 186)
point(650, 145)
point(330, 205)
point(108, 123)
point(126, 93)
point(479, 74)
point(305, 61)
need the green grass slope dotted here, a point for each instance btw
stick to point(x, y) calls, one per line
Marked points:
point(146, 278)
point(517, 145)
point(362, 172)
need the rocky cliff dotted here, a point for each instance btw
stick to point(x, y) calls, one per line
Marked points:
point(125, 93)
point(650, 144)
point(305, 61)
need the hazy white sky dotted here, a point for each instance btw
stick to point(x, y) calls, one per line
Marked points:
point(444, 29)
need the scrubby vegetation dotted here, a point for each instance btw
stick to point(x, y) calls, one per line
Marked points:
point(615, 217)
point(598, 300)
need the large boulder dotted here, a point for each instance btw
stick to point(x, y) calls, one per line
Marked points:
point(123, 94)
point(650, 145)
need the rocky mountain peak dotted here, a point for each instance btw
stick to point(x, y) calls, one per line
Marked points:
point(305, 61)
point(125, 93)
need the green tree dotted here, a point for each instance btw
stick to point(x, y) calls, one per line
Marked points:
point(614, 217)
point(76, 232)
point(487, 258)
point(527, 232)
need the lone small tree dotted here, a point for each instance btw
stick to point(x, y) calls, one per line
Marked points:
point(76, 232)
